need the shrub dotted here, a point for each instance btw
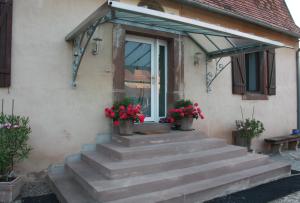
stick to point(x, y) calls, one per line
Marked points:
point(250, 128)
point(14, 134)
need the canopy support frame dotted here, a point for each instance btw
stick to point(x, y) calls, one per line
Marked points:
point(212, 76)
point(80, 43)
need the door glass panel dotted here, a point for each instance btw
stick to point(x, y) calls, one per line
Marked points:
point(138, 74)
point(162, 81)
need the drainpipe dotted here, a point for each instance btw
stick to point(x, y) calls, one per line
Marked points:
point(298, 87)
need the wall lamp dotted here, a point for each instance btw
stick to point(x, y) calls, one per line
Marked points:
point(96, 46)
point(197, 58)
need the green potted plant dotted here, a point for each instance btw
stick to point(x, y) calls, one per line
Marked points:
point(124, 114)
point(246, 130)
point(14, 134)
point(184, 113)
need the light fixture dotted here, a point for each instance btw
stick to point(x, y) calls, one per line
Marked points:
point(96, 46)
point(197, 58)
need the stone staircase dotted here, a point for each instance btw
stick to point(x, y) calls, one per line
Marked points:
point(177, 167)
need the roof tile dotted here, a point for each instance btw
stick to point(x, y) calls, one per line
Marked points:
point(273, 12)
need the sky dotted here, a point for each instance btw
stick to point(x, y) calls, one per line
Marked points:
point(294, 6)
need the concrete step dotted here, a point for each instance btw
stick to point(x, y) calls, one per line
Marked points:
point(152, 128)
point(214, 187)
point(174, 136)
point(118, 152)
point(108, 190)
point(127, 168)
point(68, 190)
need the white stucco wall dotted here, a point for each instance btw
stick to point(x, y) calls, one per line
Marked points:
point(62, 118)
point(222, 108)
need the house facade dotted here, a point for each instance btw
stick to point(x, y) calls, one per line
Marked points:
point(243, 58)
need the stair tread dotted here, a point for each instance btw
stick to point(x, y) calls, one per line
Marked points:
point(114, 164)
point(124, 149)
point(69, 189)
point(99, 183)
point(202, 185)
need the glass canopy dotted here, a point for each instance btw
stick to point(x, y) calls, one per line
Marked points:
point(214, 40)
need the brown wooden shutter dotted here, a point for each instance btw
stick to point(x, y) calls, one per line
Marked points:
point(271, 69)
point(5, 42)
point(238, 74)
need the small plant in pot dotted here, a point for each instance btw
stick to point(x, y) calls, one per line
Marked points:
point(246, 130)
point(184, 113)
point(14, 134)
point(124, 114)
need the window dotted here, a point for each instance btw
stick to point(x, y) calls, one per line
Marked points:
point(254, 74)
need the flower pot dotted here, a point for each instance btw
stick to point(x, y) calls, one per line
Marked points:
point(186, 124)
point(9, 191)
point(240, 140)
point(126, 127)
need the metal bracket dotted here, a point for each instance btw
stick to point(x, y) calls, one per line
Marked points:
point(211, 76)
point(80, 44)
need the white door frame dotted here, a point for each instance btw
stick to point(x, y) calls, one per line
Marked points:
point(155, 44)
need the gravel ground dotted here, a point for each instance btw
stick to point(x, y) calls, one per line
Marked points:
point(292, 198)
point(37, 188)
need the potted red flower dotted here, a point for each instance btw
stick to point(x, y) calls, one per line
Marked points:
point(124, 114)
point(184, 113)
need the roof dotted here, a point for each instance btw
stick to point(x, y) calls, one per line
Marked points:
point(271, 13)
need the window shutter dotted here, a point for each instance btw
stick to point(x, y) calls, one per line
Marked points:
point(238, 74)
point(271, 67)
point(5, 42)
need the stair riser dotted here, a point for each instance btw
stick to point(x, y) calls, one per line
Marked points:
point(233, 187)
point(56, 191)
point(163, 184)
point(157, 139)
point(165, 166)
point(163, 151)
point(97, 166)
point(84, 184)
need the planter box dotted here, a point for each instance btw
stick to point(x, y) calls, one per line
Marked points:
point(240, 140)
point(9, 191)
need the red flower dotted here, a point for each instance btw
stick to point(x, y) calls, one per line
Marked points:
point(196, 104)
point(171, 120)
point(116, 123)
point(112, 114)
point(130, 112)
point(141, 118)
point(201, 115)
point(123, 116)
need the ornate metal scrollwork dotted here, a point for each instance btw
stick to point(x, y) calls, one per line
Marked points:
point(211, 76)
point(80, 45)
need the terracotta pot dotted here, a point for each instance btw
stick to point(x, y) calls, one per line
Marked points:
point(9, 191)
point(126, 127)
point(186, 124)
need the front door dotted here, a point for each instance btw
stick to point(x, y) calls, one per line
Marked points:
point(146, 75)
